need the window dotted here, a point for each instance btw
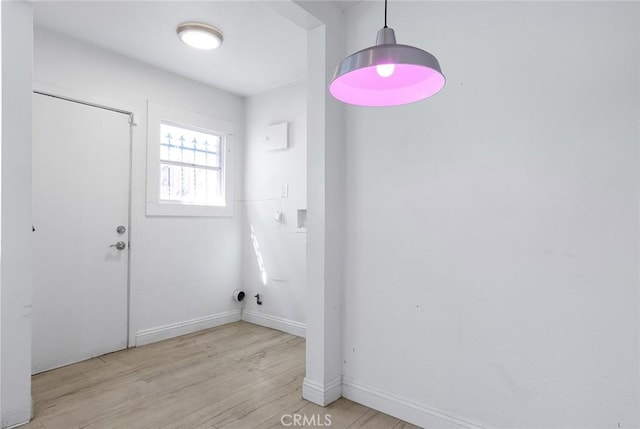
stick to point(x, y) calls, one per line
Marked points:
point(189, 166)
point(188, 163)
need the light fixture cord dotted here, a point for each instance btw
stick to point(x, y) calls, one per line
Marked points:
point(385, 14)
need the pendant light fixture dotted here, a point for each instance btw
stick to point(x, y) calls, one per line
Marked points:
point(387, 74)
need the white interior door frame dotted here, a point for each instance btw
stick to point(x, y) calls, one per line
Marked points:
point(133, 114)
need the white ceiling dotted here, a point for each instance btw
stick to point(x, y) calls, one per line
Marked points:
point(347, 4)
point(261, 50)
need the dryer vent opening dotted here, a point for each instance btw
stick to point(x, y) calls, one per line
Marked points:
point(238, 295)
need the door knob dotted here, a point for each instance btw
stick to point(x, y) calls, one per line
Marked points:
point(120, 245)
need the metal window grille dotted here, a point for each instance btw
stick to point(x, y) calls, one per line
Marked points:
point(190, 165)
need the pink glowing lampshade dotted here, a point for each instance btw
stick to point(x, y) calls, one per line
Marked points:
point(387, 74)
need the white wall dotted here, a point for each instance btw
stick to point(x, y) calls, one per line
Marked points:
point(325, 175)
point(15, 279)
point(282, 245)
point(492, 231)
point(1, 63)
point(182, 269)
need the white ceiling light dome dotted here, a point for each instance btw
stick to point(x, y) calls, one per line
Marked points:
point(199, 35)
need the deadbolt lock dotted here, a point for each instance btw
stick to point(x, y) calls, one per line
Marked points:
point(121, 229)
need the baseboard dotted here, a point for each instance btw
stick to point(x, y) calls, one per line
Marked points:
point(320, 394)
point(401, 408)
point(20, 416)
point(147, 336)
point(274, 322)
point(17, 425)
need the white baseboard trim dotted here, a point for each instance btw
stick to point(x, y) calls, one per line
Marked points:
point(16, 425)
point(19, 417)
point(401, 408)
point(147, 336)
point(281, 324)
point(321, 394)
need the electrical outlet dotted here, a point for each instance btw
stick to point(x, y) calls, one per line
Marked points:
point(285, 191)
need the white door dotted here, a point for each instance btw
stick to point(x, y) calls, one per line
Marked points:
point(80, 198)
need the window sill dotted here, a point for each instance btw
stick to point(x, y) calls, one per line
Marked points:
point(188, 210)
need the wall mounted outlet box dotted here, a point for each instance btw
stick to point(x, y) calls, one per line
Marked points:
point(276, 137)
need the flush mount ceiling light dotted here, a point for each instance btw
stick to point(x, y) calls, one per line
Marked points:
point(387, 74)
point(199, 35)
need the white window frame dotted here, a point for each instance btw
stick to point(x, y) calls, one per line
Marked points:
point(158, 113)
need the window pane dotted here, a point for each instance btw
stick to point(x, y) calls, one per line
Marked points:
point(164, 152)
point(209, 151)
point(189, 146)
point(189, 184)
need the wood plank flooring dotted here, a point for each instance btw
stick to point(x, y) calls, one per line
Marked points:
point(236, 376)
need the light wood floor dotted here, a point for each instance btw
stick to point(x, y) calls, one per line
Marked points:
point(235, 376)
